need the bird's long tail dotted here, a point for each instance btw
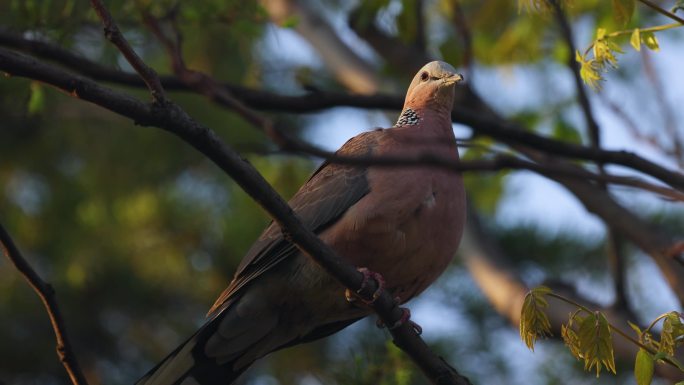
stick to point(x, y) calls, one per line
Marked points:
point(188, 364)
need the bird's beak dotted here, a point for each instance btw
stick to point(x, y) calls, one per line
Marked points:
point(452, 79)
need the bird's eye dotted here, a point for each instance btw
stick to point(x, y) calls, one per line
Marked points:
point(424, 76)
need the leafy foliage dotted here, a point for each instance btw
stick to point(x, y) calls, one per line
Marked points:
point(596, 343)
point(534, 322)
point(601, 55)
point(588, 336)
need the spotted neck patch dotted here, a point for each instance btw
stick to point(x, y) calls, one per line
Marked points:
point(408, 117)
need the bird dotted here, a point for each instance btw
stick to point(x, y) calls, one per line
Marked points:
point(400, 225)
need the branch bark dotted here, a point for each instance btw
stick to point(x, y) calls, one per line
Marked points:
point(46, 293)
point(113, 34)
point(483, 123)
point(614, 242)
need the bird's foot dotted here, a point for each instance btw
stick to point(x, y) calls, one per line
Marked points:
point(367, 276)
point(405, 317)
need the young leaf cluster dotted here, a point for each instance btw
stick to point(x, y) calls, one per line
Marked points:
point(658, 351)
point(589, 339)
point(601, 55)
point(534, 322)
point(588, 336)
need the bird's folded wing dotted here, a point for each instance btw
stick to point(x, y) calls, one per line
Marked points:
point(329, 192)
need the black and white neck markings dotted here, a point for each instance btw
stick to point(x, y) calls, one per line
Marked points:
point(408, 117)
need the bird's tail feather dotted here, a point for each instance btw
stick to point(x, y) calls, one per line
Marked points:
point(189, 365)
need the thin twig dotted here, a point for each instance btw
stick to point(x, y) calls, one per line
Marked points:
point(65, 351)
point(614, 249)
point(658, 9)
point(461, 24)
point(201, 82)
point(592, 126)
point(113, 34)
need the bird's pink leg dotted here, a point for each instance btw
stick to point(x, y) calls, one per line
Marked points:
point(405, 317)
point(406, 313)
point(367, 275)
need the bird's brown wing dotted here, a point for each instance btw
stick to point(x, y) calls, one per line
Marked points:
point(329, 192)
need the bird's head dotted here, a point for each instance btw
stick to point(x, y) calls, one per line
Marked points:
point(433, 87)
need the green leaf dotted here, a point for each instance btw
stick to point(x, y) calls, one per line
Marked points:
point(571, 340)
point(604, 53)
point(600, 33)
point(636, 328)
point(589, 71)
point(624, 9)
point(534, 322)
point(643, 368)
point(650, 40)
point(672, 330)
point(596, 343)
point(635, 40)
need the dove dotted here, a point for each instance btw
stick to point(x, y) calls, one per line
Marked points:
point(399, 225)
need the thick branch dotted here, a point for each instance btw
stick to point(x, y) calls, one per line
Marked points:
point(482, 124)
point(173, 119)
point(65, 351)
point(206, 85)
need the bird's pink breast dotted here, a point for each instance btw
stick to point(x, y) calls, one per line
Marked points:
point(409, 227)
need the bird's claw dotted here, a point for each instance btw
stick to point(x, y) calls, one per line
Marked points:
point(367, 275)
point(405, 317)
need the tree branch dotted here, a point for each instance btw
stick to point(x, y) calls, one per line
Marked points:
point(614, 243)
point(482, 124)
point(658, 9)
point(113, 34)
point(206, 85)
point(172, 118)
point(583, 98)
point(46, 293)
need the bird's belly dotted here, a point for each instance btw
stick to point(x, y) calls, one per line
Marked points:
point(410, 248)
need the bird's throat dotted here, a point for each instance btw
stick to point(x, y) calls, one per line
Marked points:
point(408, 117)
